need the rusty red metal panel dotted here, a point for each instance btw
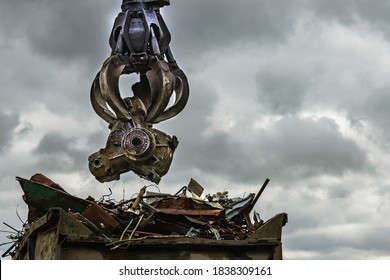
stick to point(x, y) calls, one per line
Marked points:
point(191, 212)
point(100, 218)
point(33, 212)
point(174, 202)
point(42, 179)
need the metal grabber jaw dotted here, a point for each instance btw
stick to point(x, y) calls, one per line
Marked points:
point(133, 144)
point(139, 45)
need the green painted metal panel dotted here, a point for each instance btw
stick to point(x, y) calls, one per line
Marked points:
point(44, 197)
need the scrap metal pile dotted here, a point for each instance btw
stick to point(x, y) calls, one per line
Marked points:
point(148, 215)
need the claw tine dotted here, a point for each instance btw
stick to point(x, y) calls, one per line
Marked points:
point(161, 83)
point(182, 95)
point(99, 104)
point(109, 86)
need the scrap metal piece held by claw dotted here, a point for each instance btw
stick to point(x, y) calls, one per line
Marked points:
point(147, 152)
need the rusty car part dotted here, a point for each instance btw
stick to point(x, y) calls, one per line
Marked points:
point(147, 152)
point(139, 45)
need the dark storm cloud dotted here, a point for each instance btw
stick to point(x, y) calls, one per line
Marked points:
point(59, 152)
point(62, 30)
point(281, 92)
point(296, 148)
point(190, 127)
point(4, 47)
point(375, 109)
point(199, 26)
point(98, 139)
point(364, 103)
point(293, 149)
point(313, 147)
point(8, 123)
point(351, 12)
point(340, 192)
point(194, 120)
point(220, 154)
point(334, 246)
point(52, 51)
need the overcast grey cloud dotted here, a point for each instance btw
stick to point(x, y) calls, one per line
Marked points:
point(282, 98)
point(8, 122)
point(351, 12)
point(40, 26)
point(295, 91)
point(309, 148)
point(60, 152)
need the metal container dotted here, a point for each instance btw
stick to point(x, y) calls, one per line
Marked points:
point(58, 235)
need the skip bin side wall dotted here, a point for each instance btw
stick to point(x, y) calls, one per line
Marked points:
point(173, 251)
point(58, 235)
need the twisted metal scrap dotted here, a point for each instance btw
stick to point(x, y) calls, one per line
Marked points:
point(140, 45)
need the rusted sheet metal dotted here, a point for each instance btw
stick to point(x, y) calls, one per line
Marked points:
point(174, 203)
point(191, 212)
point(45, 197)
point(42, 197)
point(26, 247)
point(236, 209)
point(42, 179)
point(47, 246)
point(42, 239)
point(33, 212)
point(101, 219)
point(67, 224)
point(271, 229)
point(186, 203)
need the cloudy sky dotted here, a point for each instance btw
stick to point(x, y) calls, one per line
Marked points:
point(297, 91)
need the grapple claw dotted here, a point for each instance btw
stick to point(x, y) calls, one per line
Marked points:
point(140, 45)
